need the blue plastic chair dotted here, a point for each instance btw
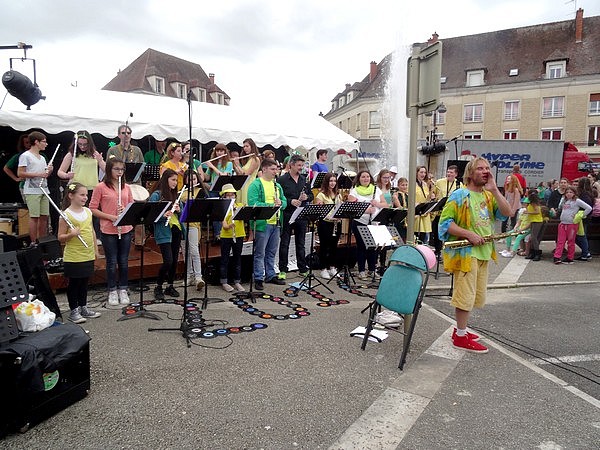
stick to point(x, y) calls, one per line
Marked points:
point(401, 290)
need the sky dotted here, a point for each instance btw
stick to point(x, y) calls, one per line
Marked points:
point(294, 55)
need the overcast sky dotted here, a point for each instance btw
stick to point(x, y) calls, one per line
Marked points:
point(269, 53)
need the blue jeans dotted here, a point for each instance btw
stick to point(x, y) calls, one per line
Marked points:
point(116, 252)
point(265, 249)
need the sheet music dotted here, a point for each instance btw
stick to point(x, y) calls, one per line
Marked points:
point(296, 214)
point(381, 235)
point(162, 213)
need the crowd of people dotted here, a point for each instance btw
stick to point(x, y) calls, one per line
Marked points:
point(97, 192)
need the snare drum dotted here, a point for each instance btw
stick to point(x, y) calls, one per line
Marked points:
point(139, 193)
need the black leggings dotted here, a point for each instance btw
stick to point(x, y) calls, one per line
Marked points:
point(77, 292)
point(170, 255)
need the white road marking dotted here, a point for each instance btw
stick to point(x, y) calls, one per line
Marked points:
point(513, 271)
point(566, 359)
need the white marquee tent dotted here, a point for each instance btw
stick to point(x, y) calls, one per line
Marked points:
point(103, 111)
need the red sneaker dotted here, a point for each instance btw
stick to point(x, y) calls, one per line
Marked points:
point(465, 343)
point(472, 336)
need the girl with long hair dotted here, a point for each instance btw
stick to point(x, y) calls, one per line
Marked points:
point(168, 232)
point(175, 163)
point(78, 259)
point(570, 205)
point(194, 269)
point(328, 229)
point(250, 167)
point(364, 190)
point(585, 194)
point(513, 193)
point(423, 195)
point(116, 241)
point(384, 183)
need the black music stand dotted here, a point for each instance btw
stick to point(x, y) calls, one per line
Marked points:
point(206, 210)
point(312, 213)
point(151, 172)
point(133, 172)
point(348, 210)
point(253, 213)
point(374, 239)
point(317, 181)
point(236, 180)
point(438, 206)
point(141, 213)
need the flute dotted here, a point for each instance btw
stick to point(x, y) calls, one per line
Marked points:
point(53, 156)
point(118, 206)
point(492, 237)
point(74, 154)
point(175, 203)
point(62, 214)
point(237, 158)
point(214, 159)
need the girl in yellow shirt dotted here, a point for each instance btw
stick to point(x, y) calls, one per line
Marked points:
point(232, 241)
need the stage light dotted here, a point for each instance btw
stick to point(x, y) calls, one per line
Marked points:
point(21, 87)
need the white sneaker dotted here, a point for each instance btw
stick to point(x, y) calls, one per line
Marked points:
point(363, 275)
point(332, 271)
point(325, 274)
point(227, 287)
point(238, 287)
point(123, 297)
point(199, 283)
point(113, 298)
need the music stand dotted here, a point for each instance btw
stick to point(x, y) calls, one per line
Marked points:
point(312, 213)
point(237, 181)
point(253, 213)
point(317, 181)
point(348, 210)
point(151, 172)
point(438, 206)
point(133, 172)
point(141, 213)
point(206, 210)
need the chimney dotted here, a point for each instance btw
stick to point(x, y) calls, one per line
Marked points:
point(373, 72)
point(433, 39)
point(212, 78)
point(579, 25)
point(347, 85)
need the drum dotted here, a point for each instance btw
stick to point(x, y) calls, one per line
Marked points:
point(139, 193)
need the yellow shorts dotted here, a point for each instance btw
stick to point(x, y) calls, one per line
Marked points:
point(37, 204)
point(470, 287)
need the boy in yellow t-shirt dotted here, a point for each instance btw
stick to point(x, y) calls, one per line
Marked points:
point(232, 241)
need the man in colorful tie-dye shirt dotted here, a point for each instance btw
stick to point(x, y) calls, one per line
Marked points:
point(470, 214)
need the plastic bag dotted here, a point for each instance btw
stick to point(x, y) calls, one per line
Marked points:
point(33, 316)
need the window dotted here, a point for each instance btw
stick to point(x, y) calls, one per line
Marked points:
point(440, 118)
point(594, 136)
point(556, 69)
point(181, 90)
point(333, 106)
point(511, 134)
point(476, 135)
point(358, 122)
point(474, 78)
point(473, 113)
point(220, 99)
point(350, 96)
point(594, 104)
point(201, 95)
point(342, 101)
point(511, 110)
point(159, 85)
point(374, 119)
point(551, 135)
point(553, 107)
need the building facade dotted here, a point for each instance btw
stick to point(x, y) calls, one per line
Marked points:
point(536, 82)
point(157, 73)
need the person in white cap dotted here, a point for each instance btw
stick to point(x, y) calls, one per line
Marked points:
point(394, 173)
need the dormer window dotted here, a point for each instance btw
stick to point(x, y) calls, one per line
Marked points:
point(475, 78)
point(342, 101)
point(159, 85)
point(350, 96)
point(556, 69)
point(181, 90)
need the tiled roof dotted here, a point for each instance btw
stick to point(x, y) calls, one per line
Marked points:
point(134, 77)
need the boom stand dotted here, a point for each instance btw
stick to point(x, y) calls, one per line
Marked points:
point(348, 210)
point(247, 214)
point(313, 213)
point(140, 213)
point(208, 211)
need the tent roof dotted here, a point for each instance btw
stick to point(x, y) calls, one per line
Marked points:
point(103, 111)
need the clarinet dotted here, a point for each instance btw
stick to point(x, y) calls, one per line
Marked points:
point(276, 198)
point(119, 205)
